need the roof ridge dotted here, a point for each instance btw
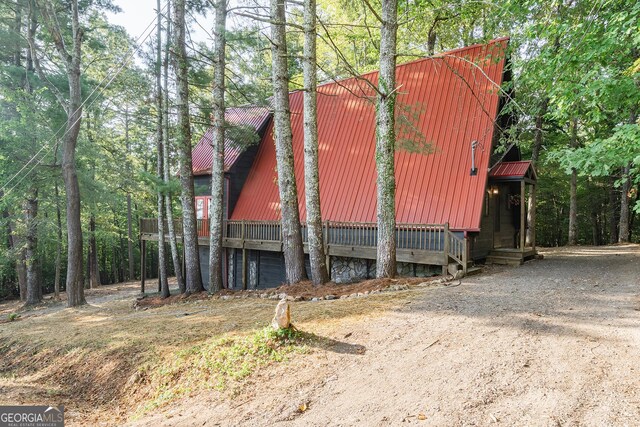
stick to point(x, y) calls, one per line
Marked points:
point(438, 55)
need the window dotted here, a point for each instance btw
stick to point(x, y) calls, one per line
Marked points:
point(199, 208)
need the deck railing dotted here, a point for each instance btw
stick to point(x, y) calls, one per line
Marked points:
point(410, 238)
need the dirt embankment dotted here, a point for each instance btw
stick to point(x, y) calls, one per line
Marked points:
point(554, 342)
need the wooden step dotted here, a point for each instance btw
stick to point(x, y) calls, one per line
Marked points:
point(506, 254)
point(504, 260)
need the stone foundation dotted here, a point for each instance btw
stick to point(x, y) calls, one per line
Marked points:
point(351, 270)
point(343, 270)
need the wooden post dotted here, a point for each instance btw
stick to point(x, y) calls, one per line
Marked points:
point(523, 232)
point(326, 248)
point(465, 253)
point(533, 229)
point(244, 259)
point(143, 264)
point(445, 267)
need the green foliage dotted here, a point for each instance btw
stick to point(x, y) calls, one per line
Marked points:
point(219, 363)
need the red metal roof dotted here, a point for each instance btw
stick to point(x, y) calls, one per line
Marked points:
point(202, 152)
point(511, 169)
point(450, 100)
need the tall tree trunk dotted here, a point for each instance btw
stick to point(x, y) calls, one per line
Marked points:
point(56, 281)
point(75, 289)
point(216, 215)
point(623, 236)
point(162, 263)
point(189, 223)
point(385, 143)
point(73, 108)
point(535, 154)
point(613, 211)
point(120, 252)
point(291, 232)
point(21, 272)
point(17, 247)
point(94, 269)
point(595, 228)
point(17, 30)
point(173, 244)
point(34, 290)
point(130, 257)
point(573, 196)
point(317, 257)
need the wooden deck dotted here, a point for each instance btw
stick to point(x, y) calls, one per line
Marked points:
point(432, 244)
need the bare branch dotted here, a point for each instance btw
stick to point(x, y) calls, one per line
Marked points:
point(366, 2)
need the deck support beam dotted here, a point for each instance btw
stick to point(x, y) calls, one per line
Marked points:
point(143, 264)
point(533, 230)
point(523, 231)
point(244, 258)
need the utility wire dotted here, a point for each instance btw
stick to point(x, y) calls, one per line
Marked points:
point(109, 78)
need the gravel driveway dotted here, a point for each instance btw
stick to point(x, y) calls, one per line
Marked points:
point(555, 342)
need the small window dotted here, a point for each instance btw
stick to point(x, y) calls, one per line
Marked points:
point(199, 208)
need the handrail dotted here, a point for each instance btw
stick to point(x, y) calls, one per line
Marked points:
point(414, 237)
point(457, 249)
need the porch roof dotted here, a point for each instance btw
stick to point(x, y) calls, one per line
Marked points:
point(513, 171)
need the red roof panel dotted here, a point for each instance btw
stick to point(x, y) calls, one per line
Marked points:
point(511, 169)
point(202, 152)
point(445, 102)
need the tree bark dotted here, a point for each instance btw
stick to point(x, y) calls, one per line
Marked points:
point(94, 270)
point(317, 257)
point(290, 214)
point(162, 264)
point(623, 236)
point(189, 223)
point(573, 196)
point(385, 143)
point(17, 30)
point(34, 290)
point(173, 244)
point(216, 215)
point(613, 211)
point(130, 258)
point(73, 108)
point(17, 246)
point(56, 281)
point(535, 154)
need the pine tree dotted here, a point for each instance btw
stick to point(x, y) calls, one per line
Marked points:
point(385, 142)
point(291, 232)
point(317, 257)
point(189, 224)
point(217, 164)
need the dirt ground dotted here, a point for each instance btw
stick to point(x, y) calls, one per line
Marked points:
point(552, 343)
point(555, 342)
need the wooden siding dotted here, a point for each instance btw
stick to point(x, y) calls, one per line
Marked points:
point(238, 175)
